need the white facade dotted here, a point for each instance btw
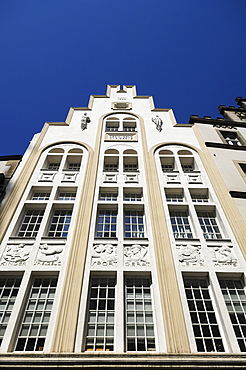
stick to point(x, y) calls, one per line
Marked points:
point(116, 241)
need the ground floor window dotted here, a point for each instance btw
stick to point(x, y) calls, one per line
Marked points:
point(235, 300)
point(36, 317)
point(204, 321)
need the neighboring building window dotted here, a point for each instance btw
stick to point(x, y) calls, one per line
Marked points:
point(132, 197)
point(106, 223)
point(205, 327)
point(180, 224)
point(139, 315)
point(31, 223)
point(209, 225)
point(9, 288)
point(235, 300)
point(53, 166)
point(101, 312)
point(37, 315)
point(60, 223)
point(134, 224)
point(66, 196)
point(41, 196)
point(108, 196)
point(231, 138)
point(74, 166)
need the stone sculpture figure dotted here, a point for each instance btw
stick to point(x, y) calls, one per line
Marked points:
point(158, 123)
point(84, 121)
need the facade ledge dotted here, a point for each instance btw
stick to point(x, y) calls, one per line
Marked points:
point(225, 146)
point(123, 360)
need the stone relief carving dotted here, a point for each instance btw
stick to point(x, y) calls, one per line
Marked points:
point(223, 256)
point(84, 121)
point(49, 255)
point(104, 255)
point(158, 123)
point(190, 255)
point(136, 255)
point(16, 255)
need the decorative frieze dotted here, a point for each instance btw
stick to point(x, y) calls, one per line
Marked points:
point(190, 255)
point(49, 255)
point(136, 255)
point(223, 256)
point(104, 255)
point(15, 255)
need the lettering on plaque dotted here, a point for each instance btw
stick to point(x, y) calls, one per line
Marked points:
point(136, 255)
point(49, 255)
point(190, 255)
point(223, 256)
point(104, 255)
point(16, 255)
point(121, 137)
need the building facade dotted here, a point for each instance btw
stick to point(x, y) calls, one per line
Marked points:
point(117, 245)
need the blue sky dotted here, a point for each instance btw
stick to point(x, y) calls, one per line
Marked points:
point(189, 54)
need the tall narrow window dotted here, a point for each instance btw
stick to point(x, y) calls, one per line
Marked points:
point(235, 300)
point(37, 315)
point(134, 224)
point(8, 291)
point(100, 326)
point(139, 315)
point(106, 223)
point(209, 225)
point(31, 223)
point(205, 327)
point(60, 223)
point(180, 224)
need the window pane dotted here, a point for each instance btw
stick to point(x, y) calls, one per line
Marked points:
point(100, 335)
point(37, 312)
point(205, 327)
point(139, 332)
